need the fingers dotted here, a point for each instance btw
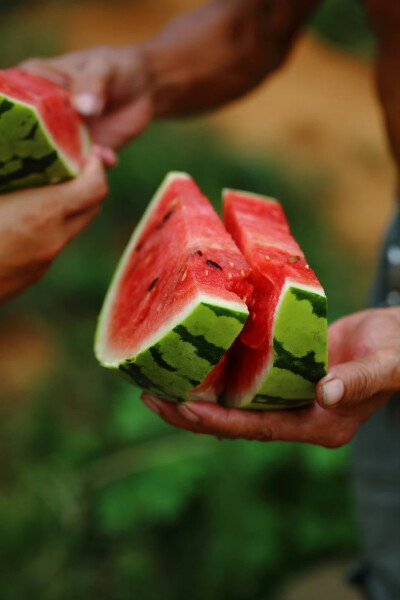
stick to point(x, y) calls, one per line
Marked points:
point(312, 425)
point(351, 383)
point(46, 69)
point(205, 417)
point(170, 414)
point(14, 286)
point(85, 75)
point(79, 222)
point(84, 192)
point(89, 91)
point(116, 129)
point(71, 197)
point(106, 155)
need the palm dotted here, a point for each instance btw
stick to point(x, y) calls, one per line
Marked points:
point(368, 335)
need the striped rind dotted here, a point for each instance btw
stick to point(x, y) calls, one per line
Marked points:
point(298, 356)
point(28, 154)
point(181, 359)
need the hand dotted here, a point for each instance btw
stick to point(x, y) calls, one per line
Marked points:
point(109, 88)
point(36, 224)
point(364, 358)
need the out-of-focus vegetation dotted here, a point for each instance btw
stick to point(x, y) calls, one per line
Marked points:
point(344, 24)
point(101, 499)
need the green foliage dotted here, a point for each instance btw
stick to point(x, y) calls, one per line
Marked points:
point(19, 40)
point(100, 498)
point(344, 24)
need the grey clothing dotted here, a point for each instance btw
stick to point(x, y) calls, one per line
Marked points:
point(376, 458)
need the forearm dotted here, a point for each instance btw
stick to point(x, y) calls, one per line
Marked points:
point(384, 17)
point(213, 55)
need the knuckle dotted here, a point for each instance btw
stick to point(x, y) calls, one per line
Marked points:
point(340, 438)
point(361, 383)
point(32, 63)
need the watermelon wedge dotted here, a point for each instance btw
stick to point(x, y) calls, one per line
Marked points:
point(42, 138)
point(177, 300)
point(282, 350)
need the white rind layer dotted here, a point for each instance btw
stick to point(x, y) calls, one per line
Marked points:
point(167, 326)
point(226, 191)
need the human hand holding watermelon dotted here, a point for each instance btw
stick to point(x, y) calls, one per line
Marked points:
point(199, 61)
point(109, 88)
point(36, 224)
point(364, 372)
point(42, 138)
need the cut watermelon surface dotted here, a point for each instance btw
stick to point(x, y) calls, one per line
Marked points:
point(282, 351)
point(178, 298)
point(175, 320)
point(42, 138)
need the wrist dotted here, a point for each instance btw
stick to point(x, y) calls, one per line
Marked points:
point(132, 73)
point(162, 80)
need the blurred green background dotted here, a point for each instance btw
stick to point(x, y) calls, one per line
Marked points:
point(99, 498)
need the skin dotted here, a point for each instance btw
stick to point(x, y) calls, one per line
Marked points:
point(364, 355)
point(36, 224)
point(119, 91)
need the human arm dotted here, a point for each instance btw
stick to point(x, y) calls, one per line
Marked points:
point(200, 61)
point(364, 371)
point(37, 223)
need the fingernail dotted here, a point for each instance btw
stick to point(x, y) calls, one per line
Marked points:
point(188, 413)
point(151, 404)
point(87, 104)
point(332, 392)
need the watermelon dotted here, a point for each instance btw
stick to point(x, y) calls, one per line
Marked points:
point(42, 139)
point(282, 350)
point(176, 321)
point(177, 300)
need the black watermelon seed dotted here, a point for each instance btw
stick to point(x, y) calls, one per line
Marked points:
point(167, 216)
point(214, 264)
point(153, 283)
point(199, 252)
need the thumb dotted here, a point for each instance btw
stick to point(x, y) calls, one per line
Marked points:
point(89, 92)
point(351, 383)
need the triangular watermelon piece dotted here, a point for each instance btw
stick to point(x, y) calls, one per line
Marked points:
point(178, 298)
point(42, 138)
point(282, 350)
point(177, 304)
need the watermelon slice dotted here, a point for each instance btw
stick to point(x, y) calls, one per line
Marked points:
point(282, 350)
point(178, 298)
point(42, 139)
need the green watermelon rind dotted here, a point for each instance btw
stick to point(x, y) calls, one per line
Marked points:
point(177, 357)
point(300, 353)
point(29, 156)
point(182, 355)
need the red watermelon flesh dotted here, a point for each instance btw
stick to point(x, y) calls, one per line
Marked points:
point(179, 255)
point(260, 229)
point(53, 105)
